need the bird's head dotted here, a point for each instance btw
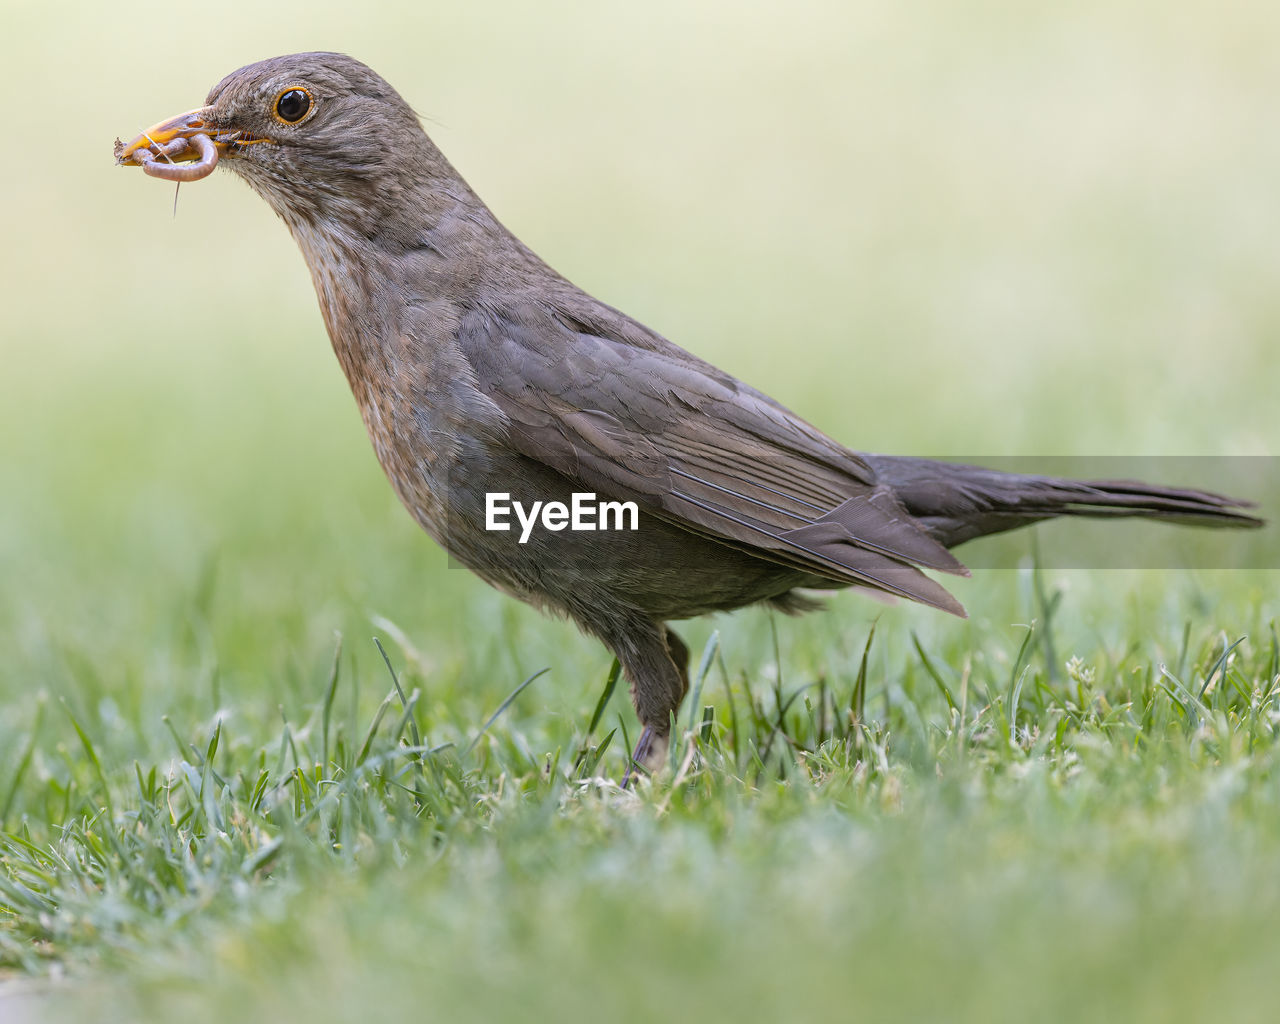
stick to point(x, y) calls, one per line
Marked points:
point(318, 135)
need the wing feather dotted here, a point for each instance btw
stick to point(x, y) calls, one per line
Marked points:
point(629, 415)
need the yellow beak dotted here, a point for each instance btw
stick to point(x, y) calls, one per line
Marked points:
point(158, 141)
point(183, 126)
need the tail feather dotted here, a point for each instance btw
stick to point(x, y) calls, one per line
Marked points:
point(956, 503)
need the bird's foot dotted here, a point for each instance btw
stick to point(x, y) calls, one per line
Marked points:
point(650, 755)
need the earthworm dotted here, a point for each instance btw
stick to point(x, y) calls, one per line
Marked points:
point(202, 168)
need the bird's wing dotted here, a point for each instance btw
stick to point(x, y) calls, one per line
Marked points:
point(636, 418)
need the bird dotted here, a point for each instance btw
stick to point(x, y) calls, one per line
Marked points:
point(479, 370)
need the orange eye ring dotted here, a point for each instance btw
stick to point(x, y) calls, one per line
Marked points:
point(293, 105)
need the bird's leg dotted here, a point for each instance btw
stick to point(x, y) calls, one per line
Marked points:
point(680, 655)
point(643, 758)
point(651, 747)
point(654, 661)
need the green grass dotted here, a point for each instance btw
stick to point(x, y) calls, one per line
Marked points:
point(937, 823)
point(1004, 229)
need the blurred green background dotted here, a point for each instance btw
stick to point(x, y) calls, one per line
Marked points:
point(947, 229)
point(937, 228)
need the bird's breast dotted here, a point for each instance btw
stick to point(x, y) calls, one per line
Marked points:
point(397, 347)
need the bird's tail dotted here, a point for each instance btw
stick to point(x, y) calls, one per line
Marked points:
point(955, 503)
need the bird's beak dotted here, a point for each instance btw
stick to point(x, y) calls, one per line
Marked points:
point(159, 141)
point(181, 127)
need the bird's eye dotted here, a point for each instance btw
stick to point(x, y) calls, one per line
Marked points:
point(292, 105)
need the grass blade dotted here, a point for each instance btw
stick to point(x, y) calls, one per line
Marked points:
point(933, 673)
point(610, 683)
point(858, 701)
point(326, 715)
point(501, 708)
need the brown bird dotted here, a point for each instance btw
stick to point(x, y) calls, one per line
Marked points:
point(480, 371)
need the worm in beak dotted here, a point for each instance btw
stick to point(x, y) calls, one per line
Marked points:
point(183, 148)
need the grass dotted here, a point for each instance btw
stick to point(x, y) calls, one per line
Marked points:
point(1096, 834)
point(1005, 230)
